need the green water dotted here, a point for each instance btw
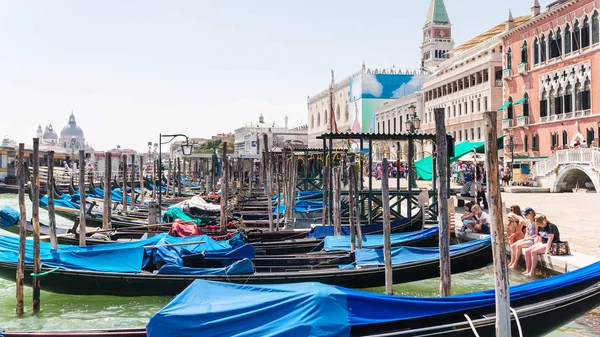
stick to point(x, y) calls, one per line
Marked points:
point(59, 312)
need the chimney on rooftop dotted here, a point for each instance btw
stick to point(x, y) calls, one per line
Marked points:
point(535, 8)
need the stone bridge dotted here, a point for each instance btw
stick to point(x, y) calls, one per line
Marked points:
point(566, 170)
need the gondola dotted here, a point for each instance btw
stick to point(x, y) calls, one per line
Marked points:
point(540, 307)
point(476, 255)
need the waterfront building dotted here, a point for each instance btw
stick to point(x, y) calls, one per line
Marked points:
point(355, 98)
point(392, 117)
point(467, 85)
point(550, 63)
point(69, 142)
point(249, 138)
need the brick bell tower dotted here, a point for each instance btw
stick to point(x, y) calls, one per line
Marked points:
point(437, 36)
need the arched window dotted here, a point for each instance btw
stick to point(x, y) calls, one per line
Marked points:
point(553, 141)
point(526, 105)
point(325, 117)
point(568, 99)
point(578, 96)
point(585, 33)
point(536, 51)
point(565, 139)
point(510, 109)
point(567, 39)
point(590, 136)
point(347, 112)
point(543, 48)
point(337, 112)
point(576, 36)
point(552, 101)
point(312, 121)
point(524, 53)
point(595, 28)
point(558, 42)
point(319, 119)
point(586, 102)
point(558, 101)
point(525, 143)
point(508, 59)
point(535, 143)
point(544, 104)
point(552, 44)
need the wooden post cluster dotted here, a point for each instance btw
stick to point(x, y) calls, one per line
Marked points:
point(443, 166)
point(387, 244)
point(503, 325)
point(50, 189)
point(82, 198)
point(269, 188)
point(22, 180)
point(106, 209)
point(142, 187)
point(224, 188)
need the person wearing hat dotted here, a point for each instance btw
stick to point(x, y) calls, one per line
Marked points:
point(527, 241)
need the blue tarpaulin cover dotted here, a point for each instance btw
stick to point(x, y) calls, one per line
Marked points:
point(209, 308)
point(321, 232)
point(400, 255)
point(303, 206)
point(125, 257)
point(240, 267)
point(342, 243)
point(9, 216)
point(64, 201)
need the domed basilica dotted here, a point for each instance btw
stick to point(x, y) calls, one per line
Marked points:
point(71, 136)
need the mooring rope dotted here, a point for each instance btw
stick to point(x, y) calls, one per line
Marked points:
point(471, 324)
point(45, 273)
point(518, 322)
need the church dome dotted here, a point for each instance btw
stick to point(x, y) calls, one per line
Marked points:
point(71, 129)
point(50, 134)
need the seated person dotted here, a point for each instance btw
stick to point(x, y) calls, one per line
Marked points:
point(468, 215)
point(514, 227)
point(547, 234)
point(526, 242)
point(481, 223)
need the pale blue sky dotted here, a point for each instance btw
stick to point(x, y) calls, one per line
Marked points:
point(132, 69)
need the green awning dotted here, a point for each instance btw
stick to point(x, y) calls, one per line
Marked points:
point(505, 106)
point(423, 166)
point(521, 101)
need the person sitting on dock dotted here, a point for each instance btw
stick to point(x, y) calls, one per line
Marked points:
point(526, 242)
point(547, 234)
point(515, 228)
point(481, 223)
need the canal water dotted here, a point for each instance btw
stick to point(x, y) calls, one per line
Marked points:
point(59, 312)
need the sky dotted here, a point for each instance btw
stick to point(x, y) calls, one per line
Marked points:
point(130, 70)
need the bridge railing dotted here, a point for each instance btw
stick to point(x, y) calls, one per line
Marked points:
point(564, 157)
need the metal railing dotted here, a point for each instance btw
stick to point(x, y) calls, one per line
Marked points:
point(589, 157)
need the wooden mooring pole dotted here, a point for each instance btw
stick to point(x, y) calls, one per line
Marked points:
point(141, 178)
point(82, 197)
point(224, 184)
point(336, 195)
point(179, 177)
point(106, 209)
point(22, 180)
point(497, 229)
point(444, 226)
point(387, 243)
point(35, 221)
point(269, 189)
point(326, 193)
point(132, 182)
point(50, 194)
point(351, 173)
point(124, 191)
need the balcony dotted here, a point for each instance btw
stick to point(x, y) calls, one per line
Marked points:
point(507, 123)
point(507, 74)
point(523, 68)
point(523, 121)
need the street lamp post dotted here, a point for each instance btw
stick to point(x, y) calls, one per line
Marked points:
point(413, 124)
point(186, 149)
